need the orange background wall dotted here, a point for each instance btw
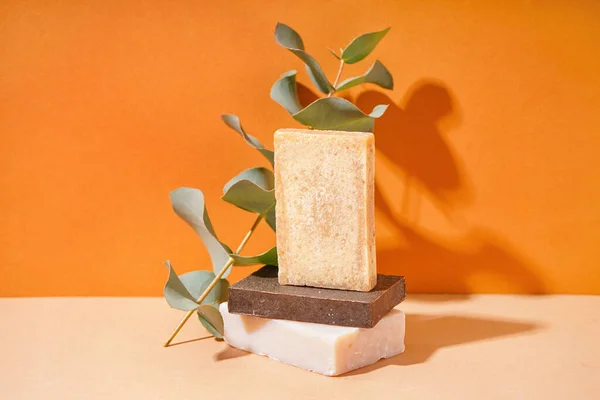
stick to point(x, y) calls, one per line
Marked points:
point(488, 169)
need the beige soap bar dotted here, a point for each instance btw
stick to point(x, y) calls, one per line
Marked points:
point(324, 182)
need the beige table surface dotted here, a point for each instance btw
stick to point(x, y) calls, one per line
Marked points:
point(477, 347)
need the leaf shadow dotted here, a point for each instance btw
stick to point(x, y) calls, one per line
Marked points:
point(437, 265)
point(426, 334)
point(305, 94)
point(414, 137)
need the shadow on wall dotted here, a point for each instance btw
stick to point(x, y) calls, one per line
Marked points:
point(305, 94)
point(415, 136)
point(412, 137)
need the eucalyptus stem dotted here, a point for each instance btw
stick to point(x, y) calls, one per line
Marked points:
point(249, 233)
point(337, 78)
point(215, 280)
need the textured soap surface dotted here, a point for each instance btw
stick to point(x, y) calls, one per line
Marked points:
point(325, 349)
point(260, 294)
point(324, 186)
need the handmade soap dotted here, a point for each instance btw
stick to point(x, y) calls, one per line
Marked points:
point(324, 184)
point(328, 350)
point(261, 295)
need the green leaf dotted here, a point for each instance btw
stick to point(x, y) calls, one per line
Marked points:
point(284, 92)
point(377, 74)
point(260, 176)
point(189, 204)
point(219, 294)
point(250, 197)
point(288, 38)
point(176, 294)
point(335, 113)
point(317, 79)
point(212, 320)
point(234, 123)
point(268, 257)
point(251, 190)
point(362, 46)
point(196, 283)
point(270, 218)
point(378, 110)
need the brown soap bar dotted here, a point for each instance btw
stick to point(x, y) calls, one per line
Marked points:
point(261, 295)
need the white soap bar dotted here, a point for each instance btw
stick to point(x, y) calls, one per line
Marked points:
point(326, 349)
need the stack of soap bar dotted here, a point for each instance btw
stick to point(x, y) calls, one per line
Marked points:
point(325, 309)
point(324, 186)
point(344, 329)
point(328, 350)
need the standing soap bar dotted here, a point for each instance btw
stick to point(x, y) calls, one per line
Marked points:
point(324, 186)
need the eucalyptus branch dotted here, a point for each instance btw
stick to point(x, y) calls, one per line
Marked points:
point(215, 280)
point(200, 300)
point(249, 233)
point(252, 190)
point(331, 112)
point(337, 78)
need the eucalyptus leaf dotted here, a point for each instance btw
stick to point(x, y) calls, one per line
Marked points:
point(270, 218)
point(377, 74)
point(196, 283)
point(269, 257)
point(247, 196)
point(338, 114)
point(251, 190)
point(234, 123)
point(176, 293)
point(288, 38)
point(378, 110)
point(189, 204)
point(219, 294)
point(260, 176)
point(362, 46)
point(317, 80)
point(284, 92)
point(211, 319)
